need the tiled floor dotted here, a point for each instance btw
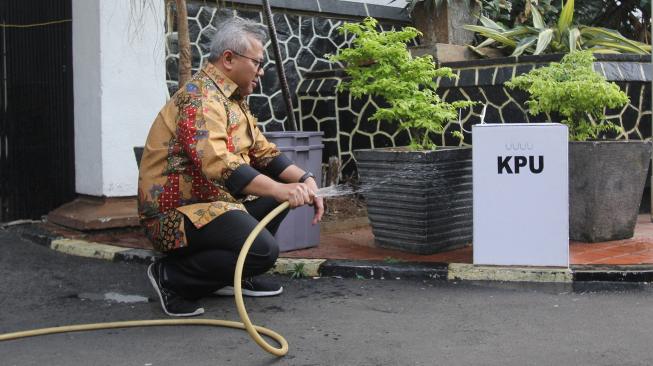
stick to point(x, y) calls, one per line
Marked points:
point(359, 245)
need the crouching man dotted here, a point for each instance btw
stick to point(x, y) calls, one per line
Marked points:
point(208, 175)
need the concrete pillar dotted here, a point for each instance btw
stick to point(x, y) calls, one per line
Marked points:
point(443, 35)
point(444, 25)
point(119, 86)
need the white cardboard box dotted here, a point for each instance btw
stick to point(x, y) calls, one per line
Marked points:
point(521, 199)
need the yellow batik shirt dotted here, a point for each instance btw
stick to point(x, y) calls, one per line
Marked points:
point(203, 148)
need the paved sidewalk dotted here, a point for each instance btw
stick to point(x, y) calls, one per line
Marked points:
point(352, 253)
point(358, 244)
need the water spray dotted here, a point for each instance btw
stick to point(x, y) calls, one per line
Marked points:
point(254, 331)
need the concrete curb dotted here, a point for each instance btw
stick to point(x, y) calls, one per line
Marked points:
point(362, 269)
point(83, 248)
point(633, 273)
point(305, 267)
point(384, 270)
point(470, 272)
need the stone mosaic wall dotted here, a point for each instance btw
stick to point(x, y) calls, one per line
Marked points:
point(483, 81)
point(344, 119)
point(346, 126)
point(304, 40)
point(306, 36)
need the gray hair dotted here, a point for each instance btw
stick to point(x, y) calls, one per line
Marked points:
point(232, 35)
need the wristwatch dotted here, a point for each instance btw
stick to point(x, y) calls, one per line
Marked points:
point(306, 176)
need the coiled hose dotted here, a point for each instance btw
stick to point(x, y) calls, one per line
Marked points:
point(254, 331)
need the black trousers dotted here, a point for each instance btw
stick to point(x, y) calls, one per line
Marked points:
point(208, 262)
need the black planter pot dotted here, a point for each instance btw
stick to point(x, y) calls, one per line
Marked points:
point(418, 201)
point(606, 183)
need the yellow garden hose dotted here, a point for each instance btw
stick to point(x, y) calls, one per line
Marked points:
point(246, 324)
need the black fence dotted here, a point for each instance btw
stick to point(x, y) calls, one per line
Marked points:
point(36, 107)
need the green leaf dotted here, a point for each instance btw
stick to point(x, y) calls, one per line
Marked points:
point(519, 31)
point(523, 44)
point(486, 43)
point(405, 83)
point(572, 89)
point(538, 21)
point(489, 23)
point(491, 33)
point(615, 36)
point(617, 47)
point(478, 51)
point(566, 17)
point(565, 33)
point(298, 271)
point(543, 40)
point(574, 37)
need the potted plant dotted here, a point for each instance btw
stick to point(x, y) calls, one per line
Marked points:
point(559, 36)
point(419, 197)
point(606, 177)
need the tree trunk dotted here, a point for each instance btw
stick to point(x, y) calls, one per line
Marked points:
point(184, 42)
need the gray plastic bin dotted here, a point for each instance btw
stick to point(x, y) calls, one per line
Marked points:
point(305, 150)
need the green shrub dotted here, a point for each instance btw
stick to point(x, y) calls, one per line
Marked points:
point(561, 37)
point(574, 90)
point(298, 271)
point(380, 64)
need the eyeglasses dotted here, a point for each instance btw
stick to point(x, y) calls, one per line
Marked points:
point(257, 63)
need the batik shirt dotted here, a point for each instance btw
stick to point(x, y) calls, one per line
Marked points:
point(203, 148)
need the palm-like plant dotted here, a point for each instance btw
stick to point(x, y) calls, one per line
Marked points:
point(630, 17)
point(495, 9)
point(560, 37)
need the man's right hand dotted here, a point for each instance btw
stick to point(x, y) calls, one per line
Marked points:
point(297, 194)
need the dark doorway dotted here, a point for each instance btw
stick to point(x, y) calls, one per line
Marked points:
point(37, 163)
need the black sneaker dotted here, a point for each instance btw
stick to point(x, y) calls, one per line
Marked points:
point(172, 304)
point(254, 288)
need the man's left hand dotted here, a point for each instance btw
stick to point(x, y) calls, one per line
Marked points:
point(318, 202)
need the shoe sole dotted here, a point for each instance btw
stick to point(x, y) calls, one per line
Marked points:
point(229, 291)
point(199, 311)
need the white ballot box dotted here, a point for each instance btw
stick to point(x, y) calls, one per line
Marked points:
point(521, 199)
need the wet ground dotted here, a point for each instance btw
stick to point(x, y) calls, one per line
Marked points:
point(327, 321)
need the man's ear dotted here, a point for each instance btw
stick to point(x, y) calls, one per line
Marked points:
point(227, 59)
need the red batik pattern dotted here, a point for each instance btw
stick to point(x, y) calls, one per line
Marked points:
point(201, 188)
point(174, 183)
point(232, 126)
point(166, 232)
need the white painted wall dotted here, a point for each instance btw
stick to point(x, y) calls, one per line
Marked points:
point(87, 97)
point(119, 86)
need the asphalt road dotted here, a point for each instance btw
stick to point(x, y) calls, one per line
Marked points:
point(327, 321)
